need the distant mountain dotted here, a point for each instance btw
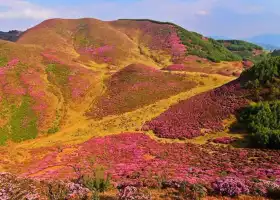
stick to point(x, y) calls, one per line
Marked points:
point(271, 41)
point(10, 36)
point(268, 46)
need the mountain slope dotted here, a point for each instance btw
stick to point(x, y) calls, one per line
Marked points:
point(61, 70)
point(247, 51)
point(118, 41)
point(205, 112)
point(136, 86)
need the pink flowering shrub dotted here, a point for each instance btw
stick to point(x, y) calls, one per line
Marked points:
point(13, 187)
point(133, 193)
point(203, 111)
point(156, 36)
point(230, 186)
point(136, 86)
point(103, 54)
point(134, 159)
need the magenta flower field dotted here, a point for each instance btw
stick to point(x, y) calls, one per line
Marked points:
point(137, 160)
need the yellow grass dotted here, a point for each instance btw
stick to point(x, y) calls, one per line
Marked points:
point(83, 129)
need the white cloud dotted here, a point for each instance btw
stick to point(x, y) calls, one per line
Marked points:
point(21, 9)
point(202, 12)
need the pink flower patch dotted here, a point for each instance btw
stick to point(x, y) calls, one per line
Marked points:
point(14, 90)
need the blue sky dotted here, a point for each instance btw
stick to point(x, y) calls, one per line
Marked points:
point(231, 18)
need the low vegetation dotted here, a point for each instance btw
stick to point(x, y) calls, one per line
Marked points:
point(107, 127)
point(275, 53)
point(23, 122)
point(208, 48)
point(185, 120)
point(3, 61)
point(196, 44)
point(136, 86)
point(136, 160)
point(264, 78)
point(240, 45)
point(262, 121)
point(245, 50)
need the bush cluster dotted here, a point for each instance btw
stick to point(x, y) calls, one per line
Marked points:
point(262, 120)
point(205, 48)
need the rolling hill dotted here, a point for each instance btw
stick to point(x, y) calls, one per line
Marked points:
point(92, 107)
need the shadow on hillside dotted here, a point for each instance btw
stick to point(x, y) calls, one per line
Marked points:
point(245, 141)
point(105, 197)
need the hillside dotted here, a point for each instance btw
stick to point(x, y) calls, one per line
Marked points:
point(104, 109)
point(136, 86)
point(79, 74)
point(247, 51)
point(151, 42)
point(257, 84)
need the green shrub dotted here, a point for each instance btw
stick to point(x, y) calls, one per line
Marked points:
point(265, 71)
point(97, 182)
point(264, 78)
point(4, 131)
point(262, 120)
point(60, 73)
point(243, 49)
point(240, 45)
point(53, 130)
point(210, 49)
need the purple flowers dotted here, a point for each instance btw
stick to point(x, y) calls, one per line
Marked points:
point(231, 186)
point(184, 120)
point(133, 193)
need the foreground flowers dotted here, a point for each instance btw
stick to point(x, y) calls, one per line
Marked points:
point(135, 159)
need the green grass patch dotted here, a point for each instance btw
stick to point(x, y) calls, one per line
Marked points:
point(23, 122)
point(3, 61)
point(4, 132)
point(55, 126)
point(60, 73)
